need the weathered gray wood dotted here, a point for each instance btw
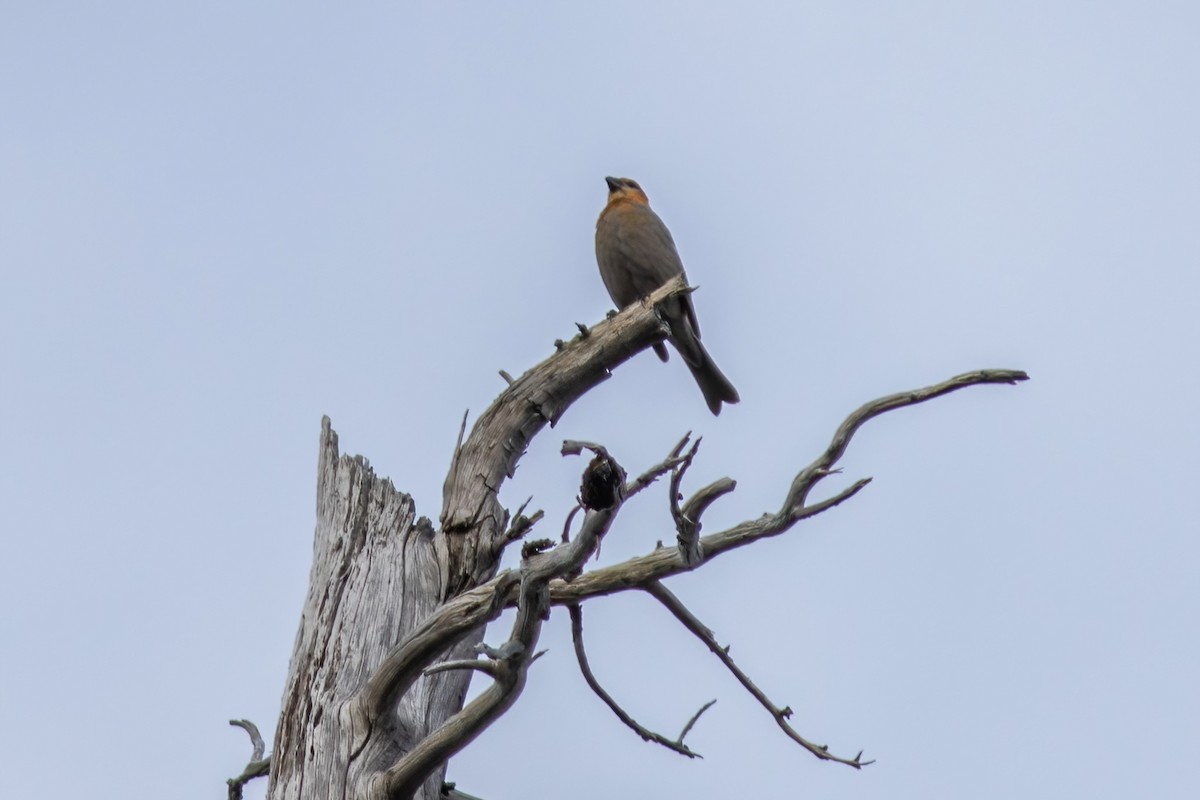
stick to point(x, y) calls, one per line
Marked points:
point(357, 699)
point(366, 713)
point(471, 514)
point(375, 577)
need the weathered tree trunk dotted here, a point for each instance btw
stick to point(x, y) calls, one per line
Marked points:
point(376, 574)
point(357, 700)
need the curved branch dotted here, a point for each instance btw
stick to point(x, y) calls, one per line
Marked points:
point(484, 666)
point(647, 735)
point(441, 630)
point(702, 632)
point(470, 609)
point(256, 740)
point(258, 766)
point(698, 503)
point(687, 529)
point(809, 476)
point(665, 562)
point(502, 433)
point(510, 662)
point(669, 463)
point(521, 525)
point(485, 602)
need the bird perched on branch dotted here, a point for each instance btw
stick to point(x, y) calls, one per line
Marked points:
point(637, 255)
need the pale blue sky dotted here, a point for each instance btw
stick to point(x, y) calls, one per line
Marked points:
point(219, 222)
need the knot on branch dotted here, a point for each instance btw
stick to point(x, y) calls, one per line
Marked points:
point(535, 547)
point(603, 483)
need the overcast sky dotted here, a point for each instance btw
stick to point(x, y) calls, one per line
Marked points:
point(220, 221)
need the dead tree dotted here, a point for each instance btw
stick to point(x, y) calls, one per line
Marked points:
point(393, 623)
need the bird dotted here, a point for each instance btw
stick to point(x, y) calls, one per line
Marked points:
point(637, 255)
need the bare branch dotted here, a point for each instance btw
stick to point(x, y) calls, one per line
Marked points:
point(485, 666)
point(467, 610)
point(437, 633)
point(664, 562)
point(502, 433)
point(462, 430)
point(695, 718)
point(647, 735)
point(256, 740)
point(695, 507)
point(652, 474)
point(687, 528)
point(521, 524)
point(566, 532)
point(258, 766)
point(689, 620)
point(573, 447)
point(521, 508)
point(836, 500)
point(822, 466)
point(510, 662)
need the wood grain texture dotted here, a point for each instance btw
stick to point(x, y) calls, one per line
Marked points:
point(472, 518)
point(389, 595)
point(375, 576)
point(366, 713)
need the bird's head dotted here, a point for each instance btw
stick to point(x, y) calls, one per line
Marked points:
point(625, 189)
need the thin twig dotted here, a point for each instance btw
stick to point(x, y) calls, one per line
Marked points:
point(823, 466)
point(652, 474)
point(662, 563)
point(258, 766)
point(566, 533)
point(485, 666)
point(471, 607)
point(256, 740)
point(521, 524)
point(687, 528)
point(695, 717)
point(512, 659)
point(689, 620)
point(647, 735)
point(462, 431)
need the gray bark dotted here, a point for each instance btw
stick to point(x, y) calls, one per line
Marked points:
point(357, 699)
point(373, 704)
point(375, 575)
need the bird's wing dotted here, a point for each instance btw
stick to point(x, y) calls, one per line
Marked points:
point(645, 244)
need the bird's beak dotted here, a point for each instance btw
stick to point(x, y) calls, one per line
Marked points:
point(613, 184)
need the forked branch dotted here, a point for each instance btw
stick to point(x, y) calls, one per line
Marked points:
point(508, 664)
point(647, 735)
point(541, 581)
point(823, 465)
point(702, 632)
point(665, 562)
point(473, 523)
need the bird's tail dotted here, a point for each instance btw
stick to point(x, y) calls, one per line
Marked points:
point(712, 382)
